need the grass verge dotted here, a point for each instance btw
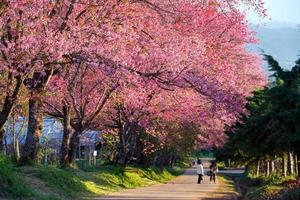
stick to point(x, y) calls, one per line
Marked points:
point(52, 183)
point(14, 186)
point(103, 180)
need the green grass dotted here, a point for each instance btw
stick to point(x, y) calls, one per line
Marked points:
point(11, 184)
point(63, 180)
point(103, 179)
point(52, 183)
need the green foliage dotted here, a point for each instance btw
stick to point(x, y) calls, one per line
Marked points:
point(11, 184)
point(271, 126)
point(205, 154)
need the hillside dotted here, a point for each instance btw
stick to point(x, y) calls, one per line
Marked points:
point(282, 41)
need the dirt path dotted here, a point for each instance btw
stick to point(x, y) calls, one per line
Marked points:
point(182, 188)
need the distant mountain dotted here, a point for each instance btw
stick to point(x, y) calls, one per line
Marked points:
point(281, 40)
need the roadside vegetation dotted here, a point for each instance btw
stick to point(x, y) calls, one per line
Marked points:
point(266, 140)
point(51, 183)
point(267, 188)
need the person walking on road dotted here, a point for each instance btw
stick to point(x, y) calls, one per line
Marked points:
point(213, 171)
point(200, 171)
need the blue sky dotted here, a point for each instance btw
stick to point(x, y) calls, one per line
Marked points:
point(287, 11)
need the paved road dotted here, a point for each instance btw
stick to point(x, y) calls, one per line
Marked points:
point(183, 187)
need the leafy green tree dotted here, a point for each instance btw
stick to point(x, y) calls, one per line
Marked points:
point(271, 127)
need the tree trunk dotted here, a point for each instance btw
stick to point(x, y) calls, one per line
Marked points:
point(17, 150)
point(127, 143)
point(272, 166)
point(6, 152)
point(8, 104)
point(160, 159)
point(36, 86)
point(268, 168)
point(65, 147)
point(90, 155)
point(172, 161)
point(292, 163)
point(142, 158)
point(74, 145)
point(133, 141)
point(258, 169)
point(35, 126)
point(296, 165)
point(2, 132)
point(285, 164)
point(121, 157)
point(121, 146)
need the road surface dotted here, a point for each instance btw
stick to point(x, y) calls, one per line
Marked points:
point(183, 187)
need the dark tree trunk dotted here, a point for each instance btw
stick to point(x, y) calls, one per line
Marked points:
point(74, 145)
point(121, 157)
point(127, 143)
point(296, 165)
point(36, 86)
point(65, 147)
point(142, 158)
point(2, 132)
point(9, 102)
point(172, 160)
point(121, 148)
point(285, 164)
point(35, 126)
point(132, 144)
point(159, 159)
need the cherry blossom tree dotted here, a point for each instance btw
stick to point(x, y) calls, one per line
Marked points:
point(171, 44)
point(77, 95)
